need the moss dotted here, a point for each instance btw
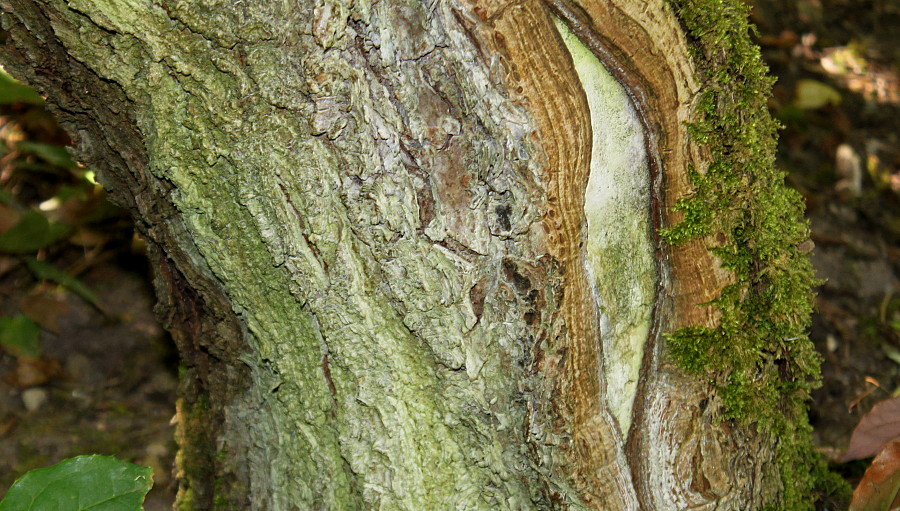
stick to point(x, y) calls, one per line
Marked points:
point(186, 501)
point(759, 357)
point(220, 501)
point(192, 460)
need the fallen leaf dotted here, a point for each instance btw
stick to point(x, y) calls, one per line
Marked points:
point(881, 482)
point(811, 94)
point(30, 372)
point(875, 429)
point(45, 308)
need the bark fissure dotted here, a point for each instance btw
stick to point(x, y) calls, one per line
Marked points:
point(620, 255)
point(634, 87)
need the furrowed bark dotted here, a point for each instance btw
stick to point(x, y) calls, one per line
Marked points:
point(369, 222)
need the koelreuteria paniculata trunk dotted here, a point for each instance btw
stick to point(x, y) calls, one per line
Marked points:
point(410, 251)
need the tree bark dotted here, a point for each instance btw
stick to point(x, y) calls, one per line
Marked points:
point(410, 252)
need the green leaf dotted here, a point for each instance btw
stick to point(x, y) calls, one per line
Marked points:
point(11, 91)
point(52, 154)
point(32, 232)
point(95, 483)
point(812, 94)
point(20, 336)
point(47, 271)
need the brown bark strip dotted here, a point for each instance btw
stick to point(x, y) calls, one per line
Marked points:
point(541, 73)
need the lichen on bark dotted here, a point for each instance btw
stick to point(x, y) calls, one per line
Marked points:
point(295, 143)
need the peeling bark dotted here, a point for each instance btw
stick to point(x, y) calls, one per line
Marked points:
point(369, 224)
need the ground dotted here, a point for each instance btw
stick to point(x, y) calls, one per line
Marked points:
point(106, 380)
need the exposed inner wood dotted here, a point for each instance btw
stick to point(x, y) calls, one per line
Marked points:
point(644, 48)
point(620, 245)
point(540, 69)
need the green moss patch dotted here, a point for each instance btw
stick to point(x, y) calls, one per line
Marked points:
point(759, 357)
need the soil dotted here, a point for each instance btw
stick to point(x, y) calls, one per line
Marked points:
point(107, 381)
point(111, 381)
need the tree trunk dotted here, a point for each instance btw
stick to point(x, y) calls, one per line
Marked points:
point(456, 254)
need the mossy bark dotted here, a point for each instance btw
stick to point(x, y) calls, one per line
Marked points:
point(383, 247)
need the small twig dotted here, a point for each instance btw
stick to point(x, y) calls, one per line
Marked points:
point(865, 394)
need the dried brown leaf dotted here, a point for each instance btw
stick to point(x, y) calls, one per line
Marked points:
point(31, 372)
point(881, 483)
point(875, 429)
point(45, 308)
point(8, 217)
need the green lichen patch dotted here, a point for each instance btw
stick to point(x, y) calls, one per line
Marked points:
point(759, 357)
